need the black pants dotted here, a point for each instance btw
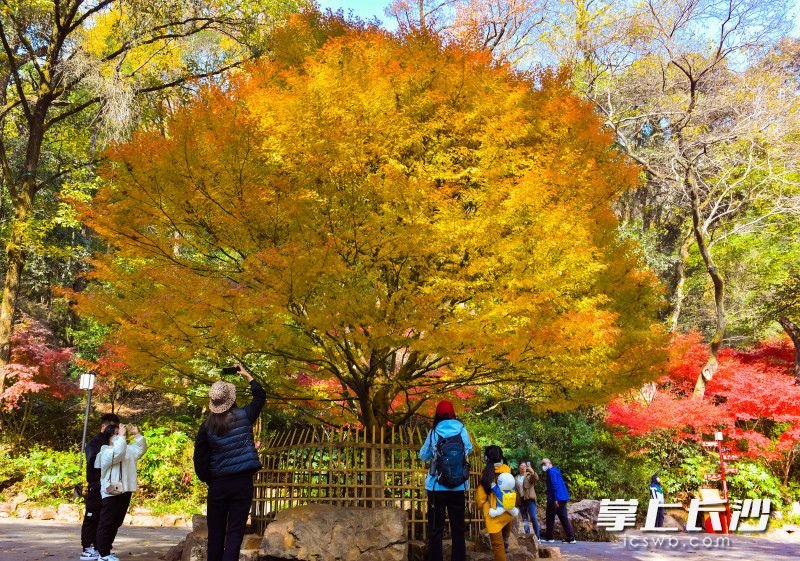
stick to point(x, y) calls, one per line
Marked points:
point(660, 518)
point(94, 503)
point(454, 503)
point(229, 501)
point(112, 514)
point(561, 511)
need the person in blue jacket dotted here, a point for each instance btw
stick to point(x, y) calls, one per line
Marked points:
point(557, 497)
point(443, 499)
point(226, 458)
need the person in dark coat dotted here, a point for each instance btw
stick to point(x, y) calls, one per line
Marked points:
point(93, 499)
point(557, 497)
point(657, 494)
point(225, 458)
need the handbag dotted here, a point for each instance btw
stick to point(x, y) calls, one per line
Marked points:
point(115, 487)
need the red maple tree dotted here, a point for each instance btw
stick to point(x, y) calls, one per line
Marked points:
point(754, 398)
point(38, 363)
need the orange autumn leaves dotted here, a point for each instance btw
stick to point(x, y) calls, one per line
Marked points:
point(405, 217)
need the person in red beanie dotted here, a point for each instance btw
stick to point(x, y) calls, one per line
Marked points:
point(446, 447)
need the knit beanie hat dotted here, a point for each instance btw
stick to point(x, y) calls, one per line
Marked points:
point(445, 410)
point(221, 396)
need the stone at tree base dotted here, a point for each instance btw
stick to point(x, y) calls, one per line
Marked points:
point(44, 513)
point(176, 551)
point(170, 520)
point(331, 533)
point(249, 555)
point(7, 509)
point(19, 499)
point(672, 521)
point(251, 541)
point(144, 520)
point(520, 555)
point(529, 543)
point(68, 512)
point(195, 547)
point(549, 552)
point(23, 512)
point(200, 523)
point(418, 550)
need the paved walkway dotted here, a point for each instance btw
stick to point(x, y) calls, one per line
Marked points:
point(28, 540)
point(34, 540)
point(637, 546)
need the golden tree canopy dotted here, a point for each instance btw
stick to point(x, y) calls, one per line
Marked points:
point(387, 221)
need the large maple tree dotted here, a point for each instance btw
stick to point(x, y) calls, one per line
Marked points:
point(372, 221)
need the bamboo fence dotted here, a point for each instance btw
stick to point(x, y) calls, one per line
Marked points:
point(364, 468)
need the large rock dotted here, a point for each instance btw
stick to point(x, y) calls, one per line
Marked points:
point(19, 499)
point(176, 551)
point(195, 547)
point(200, 524)
point(549, 552)
point(7, 509)
point(23, 512)
point(144, 520)
point(68, 512)
point(330, 533)
point(44, 513)
point(583, 517)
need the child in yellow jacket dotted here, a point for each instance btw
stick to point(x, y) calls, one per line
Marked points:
point(499, 527)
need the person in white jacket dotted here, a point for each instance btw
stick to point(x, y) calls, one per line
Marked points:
point(117, 463)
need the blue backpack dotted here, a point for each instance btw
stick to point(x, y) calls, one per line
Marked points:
point(450, 466)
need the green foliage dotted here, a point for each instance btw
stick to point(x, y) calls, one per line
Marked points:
point(754, 481)
point(591, 458)
point(88, 337)
point(166, 471)
point(42, 474)
point(684, 463)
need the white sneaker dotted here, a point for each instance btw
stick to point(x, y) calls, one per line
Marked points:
point(90, 554)
point(109, 557)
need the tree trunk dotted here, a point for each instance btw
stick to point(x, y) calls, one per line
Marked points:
point(15, 258)
point(712, 364)
point(683, 255)
point(22, 196)
point(793, 331)
point(787, 467)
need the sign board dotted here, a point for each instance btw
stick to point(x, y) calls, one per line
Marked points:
point(730, 457)
point(709, 443)
point(712, 477)
point(732, 470)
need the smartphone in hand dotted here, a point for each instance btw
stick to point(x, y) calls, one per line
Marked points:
point(230, 369)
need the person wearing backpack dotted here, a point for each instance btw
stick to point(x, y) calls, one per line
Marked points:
point(447, 447)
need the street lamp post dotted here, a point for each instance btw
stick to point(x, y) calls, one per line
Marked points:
point(86, 383)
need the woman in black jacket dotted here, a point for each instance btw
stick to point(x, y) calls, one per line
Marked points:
point(225, 457)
